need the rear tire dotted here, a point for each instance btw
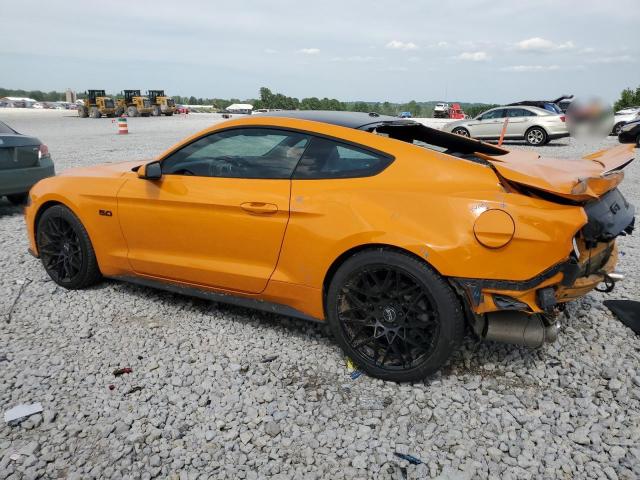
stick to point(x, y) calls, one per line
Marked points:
point(82, 112)
point(536, 136)
point(156, 111)
point(169, 114)
point(393, 315)
point(18, 198)
point(463, 132)
point(65, 249)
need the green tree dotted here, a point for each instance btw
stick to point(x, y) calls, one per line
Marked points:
point(628, 98)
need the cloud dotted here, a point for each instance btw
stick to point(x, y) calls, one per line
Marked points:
point(356, 59)
point(270, 51)
point(613, 59)
point(309, 51)
point(398, 45)
point(537, 44)
point(474, 56)
point(530, 68)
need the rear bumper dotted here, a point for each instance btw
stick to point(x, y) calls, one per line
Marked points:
point(595, 256)
point(21, 180)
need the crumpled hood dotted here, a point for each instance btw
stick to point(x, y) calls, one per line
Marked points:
point(580, 179)
point(103, 170)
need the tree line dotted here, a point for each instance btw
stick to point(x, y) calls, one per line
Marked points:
point(267, 99)
point(628, 98)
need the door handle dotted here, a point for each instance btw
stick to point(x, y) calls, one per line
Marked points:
point(259, 208)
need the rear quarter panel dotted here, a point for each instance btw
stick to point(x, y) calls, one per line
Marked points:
point(426, 203)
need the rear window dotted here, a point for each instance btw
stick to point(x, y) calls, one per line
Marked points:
point(4, 128)
point(325, 158)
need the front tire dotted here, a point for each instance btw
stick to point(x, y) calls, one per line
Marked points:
point(132, 112)
point(393, 315)
point(65, 249)
point(94, 112)
point(617, 128)
point(156, 112)
point(536, 136)
point(461, 131)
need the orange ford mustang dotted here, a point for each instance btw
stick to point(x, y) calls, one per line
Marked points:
point(394, 233)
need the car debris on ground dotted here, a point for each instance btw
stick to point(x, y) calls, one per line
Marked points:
point(20, 412)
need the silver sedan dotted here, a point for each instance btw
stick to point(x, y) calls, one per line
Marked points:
point(534, 125)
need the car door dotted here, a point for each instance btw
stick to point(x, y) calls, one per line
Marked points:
point(519, 122)
point(489, 124)
point(218, 214)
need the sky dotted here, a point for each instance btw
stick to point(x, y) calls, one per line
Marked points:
point(468, 50)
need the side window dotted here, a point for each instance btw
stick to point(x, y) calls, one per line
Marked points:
point(239, 153)
point(519, 112)
point(498, 113)
point(326, 158)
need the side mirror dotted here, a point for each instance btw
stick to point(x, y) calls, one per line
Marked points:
point(150, 171)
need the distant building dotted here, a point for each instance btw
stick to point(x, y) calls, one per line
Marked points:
point(71, 96)
point(245, 108)
point(17, 102)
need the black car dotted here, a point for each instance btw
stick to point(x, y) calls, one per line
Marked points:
point(630, 132)
point(24, 160)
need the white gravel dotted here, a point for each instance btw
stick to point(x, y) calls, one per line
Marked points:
point(210, 408)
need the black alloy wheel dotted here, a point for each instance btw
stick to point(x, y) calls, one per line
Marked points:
point(393, 315)
point(65, 249)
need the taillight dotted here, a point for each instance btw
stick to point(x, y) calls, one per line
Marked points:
point(563, 118)
point(43, 151)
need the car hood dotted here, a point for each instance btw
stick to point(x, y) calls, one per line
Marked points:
point(104, 170)
point(579, 179)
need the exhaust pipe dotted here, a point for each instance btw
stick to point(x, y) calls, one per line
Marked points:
point(519, 328)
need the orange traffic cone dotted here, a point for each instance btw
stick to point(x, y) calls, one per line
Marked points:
point(123, 129)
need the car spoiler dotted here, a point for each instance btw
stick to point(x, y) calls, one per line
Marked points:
point(409, 131)
point(578, 180)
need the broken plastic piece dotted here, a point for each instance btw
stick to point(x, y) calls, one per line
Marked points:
point(20, 412)
point(269, 358)
point(112, 387)
point(409, 458)
point(352, 370)
point(121, 371)
point(134, 390)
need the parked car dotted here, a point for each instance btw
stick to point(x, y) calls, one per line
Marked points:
point(630, 132)
point(534, 125)
point(405, 115)
point(321, 215)
point(440, 110)
point(623, 116)
point(24, 160)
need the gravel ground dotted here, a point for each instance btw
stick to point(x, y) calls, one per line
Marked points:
point(211, 406)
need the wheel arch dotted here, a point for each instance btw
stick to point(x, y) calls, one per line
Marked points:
point(343, 257)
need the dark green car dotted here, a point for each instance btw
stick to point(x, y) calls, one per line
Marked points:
point(24, 161)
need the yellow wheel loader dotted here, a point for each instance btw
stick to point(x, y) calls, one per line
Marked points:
point(133, 104)
point(96, 105)
point(160, 103)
